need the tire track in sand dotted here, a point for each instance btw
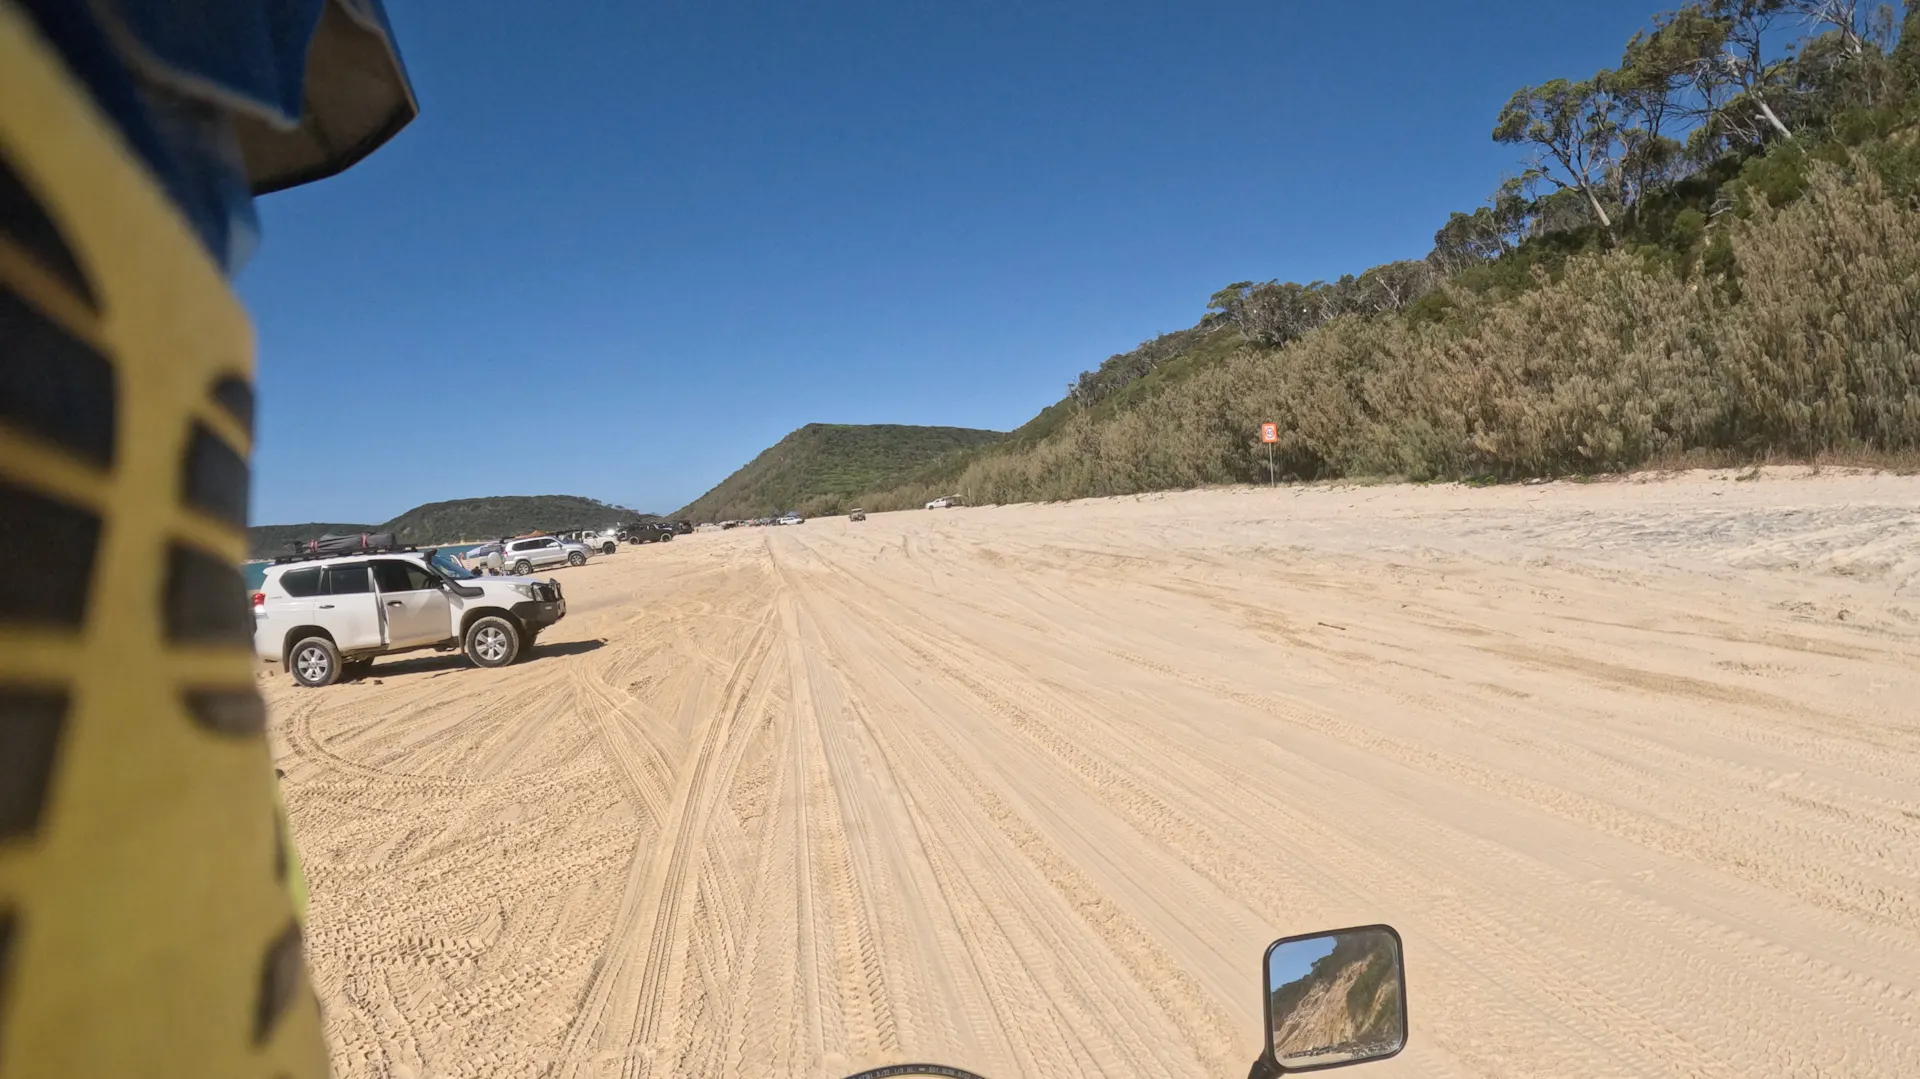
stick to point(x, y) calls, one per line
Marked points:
point(620, 1027)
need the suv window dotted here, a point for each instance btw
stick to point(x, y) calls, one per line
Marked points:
point(348, 580)
point(399, 575)
point(301, 583)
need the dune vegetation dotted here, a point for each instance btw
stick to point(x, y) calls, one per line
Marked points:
point(1712, 254)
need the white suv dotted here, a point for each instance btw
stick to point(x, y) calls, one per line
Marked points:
point(523, 556)
point(325, 618)
point(605, 540)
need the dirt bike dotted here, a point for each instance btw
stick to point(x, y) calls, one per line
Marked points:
point(1332, 999)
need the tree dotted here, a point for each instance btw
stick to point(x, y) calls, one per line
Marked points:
point(1391, 287)
point(1230, 302)
point(1830, 80)
point(1657, 71)
point(1905, 59)
point(1845, 18)
point(1749, 25)
point(1653, 72)
point(1275, 313)
point(1573, 131)
point(1487, 233)
point(1467, 240)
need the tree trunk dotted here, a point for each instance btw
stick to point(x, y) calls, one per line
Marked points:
point(1766, 110)
point(1598, 210)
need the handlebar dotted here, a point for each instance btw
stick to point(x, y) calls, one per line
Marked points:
point(1262, 1069)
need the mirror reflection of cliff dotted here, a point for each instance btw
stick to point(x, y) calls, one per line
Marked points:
point(1347, 1005)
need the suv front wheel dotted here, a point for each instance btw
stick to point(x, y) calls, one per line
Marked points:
point(493, 641)
point(314, 662)
point(575, 558)
point(608, 549)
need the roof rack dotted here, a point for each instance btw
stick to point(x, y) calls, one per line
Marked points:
point(317, 556)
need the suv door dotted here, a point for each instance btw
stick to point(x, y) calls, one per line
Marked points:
point(417, 611)
point(548, 552)
point(527, 551)
point(348, 607)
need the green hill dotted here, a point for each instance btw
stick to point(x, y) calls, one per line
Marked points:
point(264, 540)
point(825, 468)
point(460, 519)
point(503, 515)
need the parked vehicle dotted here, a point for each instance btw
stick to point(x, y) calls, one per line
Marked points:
point(598, 540)
point(857, 515)
point(328, 617)
point(791, 519)
point(486, 558)
point(523, 556)
point(682, 528)
point(648, 532)
point(944, 502)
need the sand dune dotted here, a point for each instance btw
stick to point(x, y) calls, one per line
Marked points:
point(1634, 767)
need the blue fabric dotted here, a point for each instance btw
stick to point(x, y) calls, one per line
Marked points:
point(199, 182)
point(221, 54)
point(252, 50)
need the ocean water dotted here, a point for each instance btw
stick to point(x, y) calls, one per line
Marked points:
point(256, 572)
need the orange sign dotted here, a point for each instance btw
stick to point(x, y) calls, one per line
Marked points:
point(1269, 432)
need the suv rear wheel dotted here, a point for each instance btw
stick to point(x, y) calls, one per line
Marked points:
point(493, 641)
point(314, 662)
point(665, 537)
point(575, 558)
point(523, 567)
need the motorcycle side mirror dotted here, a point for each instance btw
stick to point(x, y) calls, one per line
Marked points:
point(1335, 998)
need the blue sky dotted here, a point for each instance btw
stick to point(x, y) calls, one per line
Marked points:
point(1291, 962)
point(622, 252)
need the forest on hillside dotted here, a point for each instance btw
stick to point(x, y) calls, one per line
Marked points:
point(1709, 252)
point(459, 519)
point(822, 468)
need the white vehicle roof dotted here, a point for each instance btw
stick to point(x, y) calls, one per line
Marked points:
point(357, 556)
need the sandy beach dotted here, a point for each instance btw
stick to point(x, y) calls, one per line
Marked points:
point(1633, 766)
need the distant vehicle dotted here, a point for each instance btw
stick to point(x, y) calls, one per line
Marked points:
point(682, 528)
point(857, 515)
point(537, 552)
point(792, 519)
point(944, 502)
point(327, 617)
point(648, 532)
point(480, 559)
point(604, 540)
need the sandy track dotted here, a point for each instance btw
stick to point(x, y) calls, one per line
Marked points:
point(1634, 767)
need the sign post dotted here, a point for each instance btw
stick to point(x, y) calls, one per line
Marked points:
point(1270, 433)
